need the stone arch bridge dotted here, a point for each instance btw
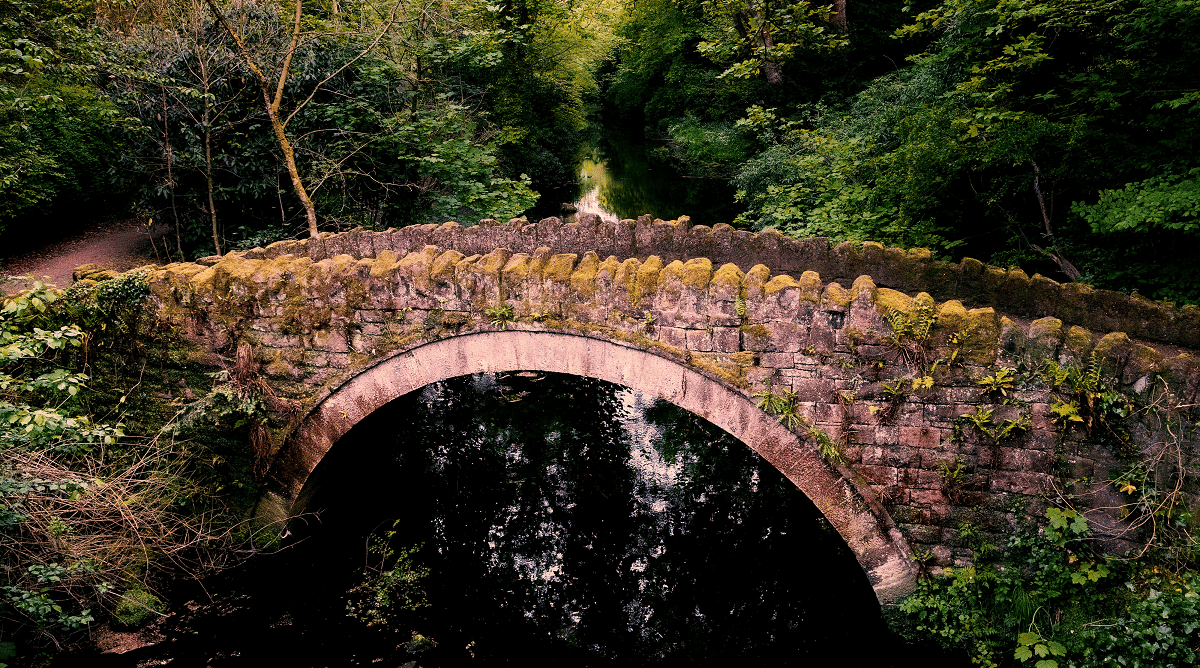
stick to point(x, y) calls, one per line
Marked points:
point(712, 320)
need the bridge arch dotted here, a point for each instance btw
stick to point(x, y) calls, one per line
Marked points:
point(848, 504)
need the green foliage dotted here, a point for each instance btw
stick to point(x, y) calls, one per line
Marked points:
point(911, 327)
point(1065, 411)
point(84, 509)
point(986, 609)
point(757, 37)
point(1025, 133)
point(785, 407)
point(58, 134)
point(1091, 404)
point(998, 432)
point(708, 149)
point(1159, 203)
point(501, 314)
point(394, 135)
point(1051, 600)
point(1031, 645)
point(391, 588)
point(910, 338)
point(999, 383)
point(1157, 629)
point(137, 607)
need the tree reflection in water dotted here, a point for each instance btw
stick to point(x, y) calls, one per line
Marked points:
point(593, 522)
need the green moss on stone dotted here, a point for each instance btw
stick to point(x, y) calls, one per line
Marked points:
point(778, 283)
point(952, 317)
point(626, 278)
point(729, 277)
point(888, 301)
point(493, 263)
point(1144, 360)
point(1046, 329)
point(731, 369)
point(759, 332)
point(810, 286)
point(443, 267)
point(646, 280)
point(559, 268)
point(584, 278)
point(670, 279)
point(835, 296)
point(1078, 342)
point(1012, 335)
point(983, 335)
point(698, 273)
point(756, 281)
point(863, 288)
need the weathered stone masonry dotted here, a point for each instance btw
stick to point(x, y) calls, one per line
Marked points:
point(746, 312)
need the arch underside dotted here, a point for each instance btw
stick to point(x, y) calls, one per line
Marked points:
point(848, 506)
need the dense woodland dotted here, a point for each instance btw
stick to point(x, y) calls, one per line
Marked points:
point(1056, 135)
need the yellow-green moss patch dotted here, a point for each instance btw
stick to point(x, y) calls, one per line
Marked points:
point(559, 268)
point(835, 297)
point(778, 283)
point(697, 273)
point(583, 279)
point(888, 301)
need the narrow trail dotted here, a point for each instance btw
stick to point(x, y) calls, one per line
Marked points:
point(120, 246)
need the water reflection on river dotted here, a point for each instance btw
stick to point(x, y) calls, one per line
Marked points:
point(563, 520)
point(618, 177)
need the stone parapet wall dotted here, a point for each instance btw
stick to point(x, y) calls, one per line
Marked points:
point(315, 324)
point(909, 271)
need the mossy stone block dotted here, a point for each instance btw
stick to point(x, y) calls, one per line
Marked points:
point(1012, 336)
point(1044, 339)
point(982, 328)
point(1077, 344)
point(697, 273)
point(888, 301)
point(443, 268)
point(584, 278)
point(810, 286)
point(780, 282)
point(952, 317)
point(560, 267)
point(835, 298)
point(756, 281)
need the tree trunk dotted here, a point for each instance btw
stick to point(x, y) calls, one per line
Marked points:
point(285, 146)
point(839, 15)
point(765, 41)
point(1063, 263)
point(289, 159)
point(206, 121)
point(170, 175)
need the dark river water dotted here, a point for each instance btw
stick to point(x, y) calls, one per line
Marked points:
point(534, 519)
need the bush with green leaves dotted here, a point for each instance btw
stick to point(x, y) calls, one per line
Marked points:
point(1052, 600)
point(85, 510)
point(393, 585)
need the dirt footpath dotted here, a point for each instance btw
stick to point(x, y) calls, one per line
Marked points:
point(120, 246)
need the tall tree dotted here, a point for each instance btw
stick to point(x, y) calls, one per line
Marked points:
point(760, 35)
point(273, 100)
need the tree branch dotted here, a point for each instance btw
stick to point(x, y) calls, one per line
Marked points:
point(1063, 264)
